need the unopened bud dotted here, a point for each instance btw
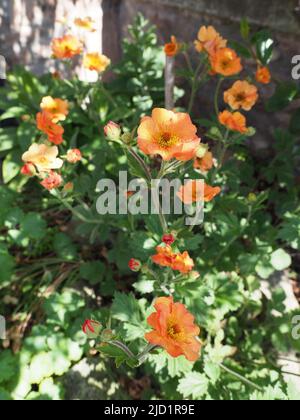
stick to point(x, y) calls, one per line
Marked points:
point(112, 131)
point(92, 328)
point(135, 265)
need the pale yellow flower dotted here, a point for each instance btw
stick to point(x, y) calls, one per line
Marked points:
point(43, 157)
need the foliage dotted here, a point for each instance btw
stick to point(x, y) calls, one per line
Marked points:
point(61, 262)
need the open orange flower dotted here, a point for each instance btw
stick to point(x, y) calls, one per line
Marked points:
point(226, 62)
point(56, 108)
point(263, 75)
point(209, 40)
point(197, 190)
point(66, 47)
point(172, 48)
point(166, 257)
point(235, 121)
point(169, 134)
point(204, 163)
point(241, 95)
point(53, 131)
point(86, 24)
point(174, 329)
point(96, 62)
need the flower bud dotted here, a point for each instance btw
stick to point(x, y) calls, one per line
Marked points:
point(74, 156)
point(28, 170)
point(92, 328)
point(169, 239)
point(106, 335)
point(126, 138)
point(135, 265)
point(112, 131)
point(252, 198)
point(69, 187)
point(201, 151)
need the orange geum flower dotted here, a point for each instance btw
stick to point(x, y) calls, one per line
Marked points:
point(241, 95)
point(66, 47)
point(183, 263)
point(169, 134)
point(174, 329)
point(43, 157)
point(209, 40)
point(172, 48)
point(196, 190)
point(86, 24)
point(52, 181)
point(166, 257)
point(234, 121)
point(226, 62)
point(96, 62)
point(205, 163)
point(57, 109)
point(46, 125)
point(263, 75)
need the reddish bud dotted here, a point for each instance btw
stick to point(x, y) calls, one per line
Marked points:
point(28, 170)
point(91, 328)
point(112, 131)
point(74, 156)
point(169, 239)
point(135, 265)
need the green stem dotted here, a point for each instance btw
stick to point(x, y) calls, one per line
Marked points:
point(216, 100)
point(145, 353)
point(124, 348)
point(194, 87)
point(241, 378)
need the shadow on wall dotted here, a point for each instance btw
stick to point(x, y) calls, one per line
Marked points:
point(28, 26)
point(27, 31)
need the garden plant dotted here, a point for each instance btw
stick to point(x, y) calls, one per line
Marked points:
point(161, 308)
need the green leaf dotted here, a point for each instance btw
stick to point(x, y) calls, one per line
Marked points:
point(4, 395)
point(193, 385)
point(240, 49)
point(144, 286)
point(33, 226)
point(176, 366)
point(281, 260)
point(126, 308)
point(8, 366)
point(7, 264)
point(14, 112)
point(93, 271)
point(285, 93)
point(7, 138)
point(11, 166)
point(264, 46)
point(295, 122)
point(64, 247)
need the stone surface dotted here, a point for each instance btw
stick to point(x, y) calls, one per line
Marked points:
point(28, 26)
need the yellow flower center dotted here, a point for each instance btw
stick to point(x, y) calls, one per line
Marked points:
point(167, 140)
point(43, 160)
point(174, 331)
